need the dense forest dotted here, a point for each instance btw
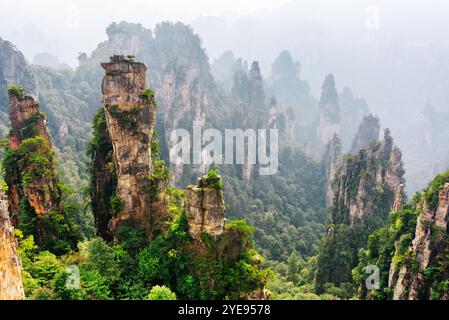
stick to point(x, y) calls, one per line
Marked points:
point(96, 209)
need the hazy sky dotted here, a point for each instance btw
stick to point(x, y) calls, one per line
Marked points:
point(65, 27)
point(395, 53)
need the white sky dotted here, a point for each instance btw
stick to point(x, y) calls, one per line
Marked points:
point(402, 61)
point(65, 27)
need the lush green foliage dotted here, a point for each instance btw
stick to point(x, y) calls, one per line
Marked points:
point(103, 199)
point(161, 293)
point(32, 165)
point(391, 246)
point(17, 90)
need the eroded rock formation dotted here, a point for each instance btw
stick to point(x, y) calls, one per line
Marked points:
point(14, 71)
point(329, 116)
point(205, 208)
point(248, 84)
point(410, 283)
point(373, 175)
point(11, 286)
point(364, 189)
point(183, 100)
point(130, 115)
point(30, 178)
point(331, 160)
point(398, 201)
point(368, 132)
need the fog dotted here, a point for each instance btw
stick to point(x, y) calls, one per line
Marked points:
point(393, 53)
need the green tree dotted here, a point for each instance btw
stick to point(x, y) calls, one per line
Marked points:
point(161, 293)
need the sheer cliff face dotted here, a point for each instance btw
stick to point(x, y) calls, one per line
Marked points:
point(365, 180)
point(331, 159)
point(180, 73)
point(41, 190)
point(14, 70)
point(364, 189)
point(22, 110)
point(183, 100)
point(367, 132)
point(248, 84)
point(427, 249)
point(329, 111)
point(130, 116)
point(248, 90)
point(11, 287)
point(205, 208)
point(286, 85)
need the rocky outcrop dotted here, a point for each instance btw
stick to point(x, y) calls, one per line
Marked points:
point(11, 286)
point(329, 112)
point(373, 175)
point(290, 124)
point(364, 189)
point(35, 182)
point(399, 200)
point(430, 231)
point(368, 132)
point(272, 114)
point(286, 85)
point(248, 88)
point(256, 91)
point(14, 71)
point(183, 100)
point(331, 159)
point(130, 115)
point(125, 38)
point(248, 84)
point(205, 208)
point(23, 112)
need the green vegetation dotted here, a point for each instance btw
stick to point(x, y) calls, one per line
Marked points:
point(356, 188)
point(130, 57)
point(147, 93)
point(287, 210)
point(31, 167)
point(161, 293)
point(386, 245)
point(129, 120)
point(103, 199)
point(390, 245)
point(17, 90)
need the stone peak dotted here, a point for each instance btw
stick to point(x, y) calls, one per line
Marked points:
point(123, 63)
point(20, 94)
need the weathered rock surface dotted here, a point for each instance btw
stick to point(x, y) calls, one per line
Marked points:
point(367, 132)
point(22, 108)
point(42, 191)
point(205, 208)
point(130, 116)
point(364, 188)
point(248, 84)
point(14, 71)
point(430, 231)
point(398, 201)
point(183, 100)
point(11, 286)
point(329, 111)
point(331, 160)
point(359, 178)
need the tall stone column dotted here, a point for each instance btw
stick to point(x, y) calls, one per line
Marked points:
point(130, 115)
point(41, 190)
point(11, 286)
